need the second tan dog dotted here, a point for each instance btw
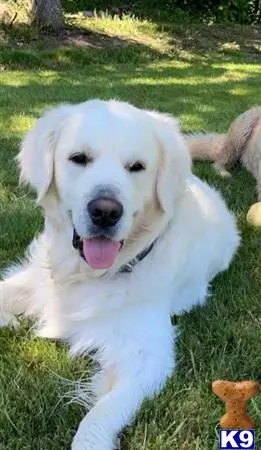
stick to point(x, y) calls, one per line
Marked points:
point(242, 144)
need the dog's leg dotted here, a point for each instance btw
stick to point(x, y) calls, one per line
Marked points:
point(141, 375)
point(193, 293)
point(16, 293)
point(221, 170)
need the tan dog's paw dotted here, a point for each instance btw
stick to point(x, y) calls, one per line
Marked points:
point(221, 170)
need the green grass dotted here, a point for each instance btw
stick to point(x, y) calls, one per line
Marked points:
point(204, 75)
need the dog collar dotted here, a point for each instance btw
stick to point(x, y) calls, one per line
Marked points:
point(126, 268)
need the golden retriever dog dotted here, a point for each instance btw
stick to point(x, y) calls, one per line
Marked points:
point(131, 237)
point(242, 144)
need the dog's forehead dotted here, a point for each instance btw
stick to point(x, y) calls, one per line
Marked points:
point(111, 130)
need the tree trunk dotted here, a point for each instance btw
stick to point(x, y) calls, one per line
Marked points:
point(47, 14)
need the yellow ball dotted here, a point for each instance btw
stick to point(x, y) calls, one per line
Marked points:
point(254, 215)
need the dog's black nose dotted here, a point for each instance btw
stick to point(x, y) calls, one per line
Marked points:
point(105, 212)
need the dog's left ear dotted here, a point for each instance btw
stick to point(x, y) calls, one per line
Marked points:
point(175, 161)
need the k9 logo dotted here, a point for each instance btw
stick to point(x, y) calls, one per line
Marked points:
point(236, 439)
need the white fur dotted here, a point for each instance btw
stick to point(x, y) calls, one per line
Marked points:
point(126, 316)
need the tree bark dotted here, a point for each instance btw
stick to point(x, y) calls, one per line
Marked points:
point(47, 14)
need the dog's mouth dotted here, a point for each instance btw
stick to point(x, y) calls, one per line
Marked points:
point(99, 252)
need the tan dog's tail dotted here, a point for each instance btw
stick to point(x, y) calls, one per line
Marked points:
point(225, 150)
point(205, 147)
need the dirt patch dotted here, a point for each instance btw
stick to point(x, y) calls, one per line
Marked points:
point(23, 36)
point(87, 38)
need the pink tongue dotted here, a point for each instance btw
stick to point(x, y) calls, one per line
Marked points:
point(101, 252)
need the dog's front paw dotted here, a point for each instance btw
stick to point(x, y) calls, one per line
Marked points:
point(90, 436)
point(85, 444)
point(88, 443)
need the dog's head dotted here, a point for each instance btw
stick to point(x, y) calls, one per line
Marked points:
point(114, 170)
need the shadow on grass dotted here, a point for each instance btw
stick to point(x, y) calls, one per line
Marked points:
point(76, 46)
point(187, 30)
point(229, 40)
point(79, 46)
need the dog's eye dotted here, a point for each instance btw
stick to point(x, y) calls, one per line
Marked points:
point(80, 158)
point(137, 166)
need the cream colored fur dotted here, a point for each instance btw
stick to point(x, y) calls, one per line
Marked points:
point(125, 317)
point(242, 144)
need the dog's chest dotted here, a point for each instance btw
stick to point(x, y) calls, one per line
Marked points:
point(108, 314)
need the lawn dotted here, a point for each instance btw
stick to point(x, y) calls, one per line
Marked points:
point(204, 74)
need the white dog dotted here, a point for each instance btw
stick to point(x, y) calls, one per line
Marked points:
point(130, 237)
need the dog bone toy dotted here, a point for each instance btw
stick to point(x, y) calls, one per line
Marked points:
point(235, 396)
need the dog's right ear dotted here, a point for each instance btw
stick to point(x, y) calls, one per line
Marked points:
point(36, 154)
